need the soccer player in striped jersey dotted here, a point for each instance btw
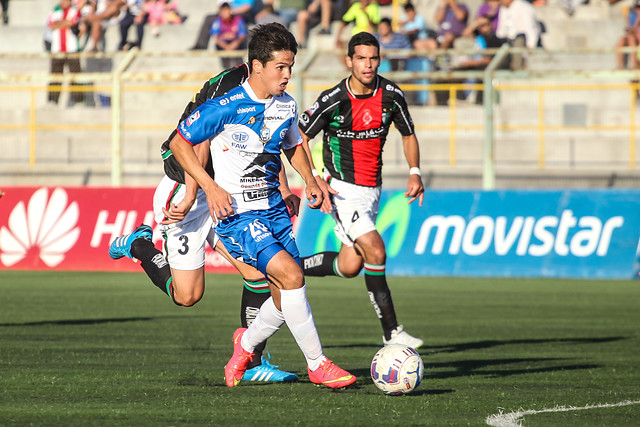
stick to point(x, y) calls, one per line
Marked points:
point(355, 116)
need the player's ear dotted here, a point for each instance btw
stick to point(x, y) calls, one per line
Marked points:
point(348, 61)
point(257, 66)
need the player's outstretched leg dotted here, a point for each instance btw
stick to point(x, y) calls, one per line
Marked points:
point(138, 244)
point(254, 294)
point(121, 246)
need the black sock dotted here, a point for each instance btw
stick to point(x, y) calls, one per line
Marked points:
point(322, 264)
point(380, 295)
point(254, 294)
point(154, 264)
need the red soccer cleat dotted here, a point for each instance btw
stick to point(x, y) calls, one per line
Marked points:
point(237, 365)
point(331, 375)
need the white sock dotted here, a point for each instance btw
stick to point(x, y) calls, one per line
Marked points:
point(297, 314)
point(266, 323)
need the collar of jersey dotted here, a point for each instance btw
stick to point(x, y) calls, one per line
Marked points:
point(346, 83)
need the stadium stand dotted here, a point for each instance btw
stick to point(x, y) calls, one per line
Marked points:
point(77, 153)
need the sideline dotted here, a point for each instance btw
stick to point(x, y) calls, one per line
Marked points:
point(514, 419)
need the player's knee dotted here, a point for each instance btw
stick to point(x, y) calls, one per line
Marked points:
point(187, 300)
point(348, 270)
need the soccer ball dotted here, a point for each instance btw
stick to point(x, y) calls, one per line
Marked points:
point(397, 369)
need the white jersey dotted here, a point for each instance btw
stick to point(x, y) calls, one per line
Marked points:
point(247, 135)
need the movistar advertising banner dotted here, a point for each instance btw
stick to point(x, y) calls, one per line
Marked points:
point(571, 233)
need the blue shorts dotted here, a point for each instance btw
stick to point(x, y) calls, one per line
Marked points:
point(254, 237)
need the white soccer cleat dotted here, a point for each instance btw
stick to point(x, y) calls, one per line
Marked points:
point(399, 336)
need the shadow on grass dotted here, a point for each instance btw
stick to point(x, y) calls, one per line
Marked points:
point(478, 345)
point(74, 322)
point(498, 367)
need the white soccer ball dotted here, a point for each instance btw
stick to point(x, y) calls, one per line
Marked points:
point(397, 369)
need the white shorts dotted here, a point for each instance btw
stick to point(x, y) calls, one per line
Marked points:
point(355, 209)
point(184, 241)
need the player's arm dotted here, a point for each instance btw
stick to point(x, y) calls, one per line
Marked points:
point(291, 200)
point(218, 199)
point(415, 189)
point(300, 162)
point(324, 186)
point(177, 212)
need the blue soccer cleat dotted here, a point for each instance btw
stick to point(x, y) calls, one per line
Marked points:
point(122, 245)
point(268, 372)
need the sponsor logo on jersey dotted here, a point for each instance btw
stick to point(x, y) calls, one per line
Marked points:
point(339, 119)
point(289, 107)
point(246, 110)
point(304, 118)
point(257, 194)
point(366, 117)
point(226, 100)
point(252, 120)
point(326, 97)
point(283, 133)
point(192, 118)
point(362, 134)
point(240, 136)
point(313, 108)
point(397, 90)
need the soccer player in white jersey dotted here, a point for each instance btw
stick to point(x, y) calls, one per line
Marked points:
point(248, 128)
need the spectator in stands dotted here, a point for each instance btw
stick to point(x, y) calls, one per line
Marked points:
point(155, 14)
point(481, 31)
point(135, 15)
point(412, 24)
point(489, 9)
point(83, 28)
point(5, 11)
point(630, 38)
point(230, 33)
point(452, 17)
point(63, 41)
point(517, 23)
point(316, 12)
point(105, 13)
point(268, 15)
point(390, 40)
point(365, 17)
point(288, 10)
point(246, 8)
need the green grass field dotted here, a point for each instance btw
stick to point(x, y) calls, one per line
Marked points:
point(79, 349)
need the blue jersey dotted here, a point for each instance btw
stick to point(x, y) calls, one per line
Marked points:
point(247, 135)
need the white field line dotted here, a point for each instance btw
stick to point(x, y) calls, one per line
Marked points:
point(514, 419)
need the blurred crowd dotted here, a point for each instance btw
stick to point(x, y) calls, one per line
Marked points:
point(80, 25)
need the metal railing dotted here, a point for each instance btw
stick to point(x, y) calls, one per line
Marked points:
point(310, 78)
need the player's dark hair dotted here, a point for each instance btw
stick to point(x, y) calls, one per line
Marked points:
point(266, 39)
point(363, 38)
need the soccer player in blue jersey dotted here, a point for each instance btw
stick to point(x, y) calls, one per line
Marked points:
point(186, 228)
point(248, 128)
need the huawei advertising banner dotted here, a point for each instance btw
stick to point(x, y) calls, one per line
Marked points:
point(67, 228)
point(571, 233)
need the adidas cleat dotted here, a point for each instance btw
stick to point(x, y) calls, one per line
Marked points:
point(331, 375)
point(268, 372)
point(237, 365)
point(399, 336)
point(122, 245)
